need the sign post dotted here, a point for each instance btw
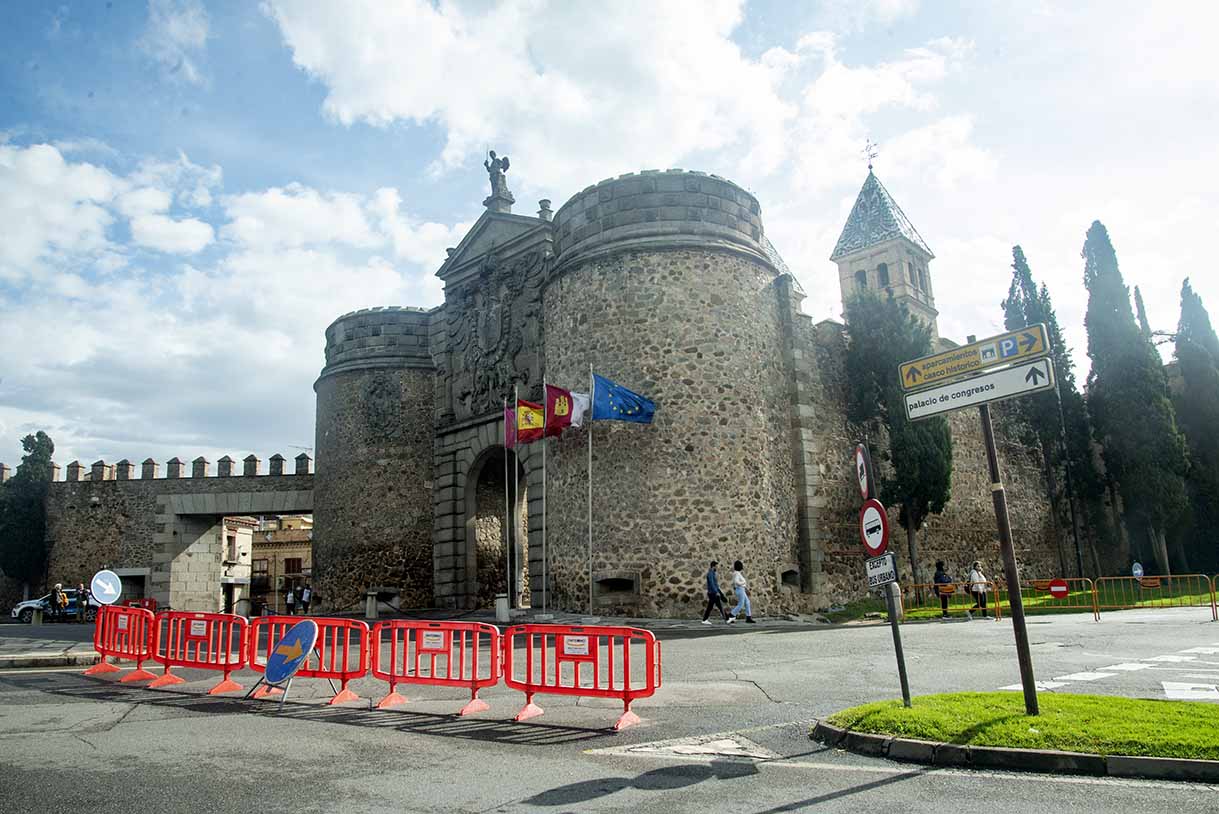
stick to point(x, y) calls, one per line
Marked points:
point(881, 567)
point(1001, 367)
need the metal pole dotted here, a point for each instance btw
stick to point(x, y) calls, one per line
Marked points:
point(891, 602)
point(1009, 565)
point(592, 397)
point(507, 500)
point(516, 499)
point(545, 443)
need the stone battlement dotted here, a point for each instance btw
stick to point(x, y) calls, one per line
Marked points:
point(176, 468)
point(394, 336)
point(645, 209)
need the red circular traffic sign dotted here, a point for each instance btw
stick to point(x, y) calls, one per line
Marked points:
point(874, 527)
point(1058, 588)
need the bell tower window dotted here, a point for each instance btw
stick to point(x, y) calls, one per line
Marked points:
point(882, 275)
point(861, 279)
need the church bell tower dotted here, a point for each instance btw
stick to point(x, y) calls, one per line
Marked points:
point(880, 249)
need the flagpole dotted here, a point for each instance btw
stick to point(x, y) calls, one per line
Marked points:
point(545, 411)
point(507, 501)
point(516, 500)
point(592, 397)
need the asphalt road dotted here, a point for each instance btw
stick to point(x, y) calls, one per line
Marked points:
point(728, 731)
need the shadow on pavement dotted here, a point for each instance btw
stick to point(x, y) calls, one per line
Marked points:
point(445, 726)
point(666, 779)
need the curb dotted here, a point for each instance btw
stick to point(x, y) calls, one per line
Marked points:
point(50, 660)
point(1020, 760)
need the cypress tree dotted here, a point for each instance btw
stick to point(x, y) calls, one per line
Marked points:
point(1026, 304)
point(1197, 402)
point(882, 335)
point(1127, 397)
point(1141, 313)
point(22, 512)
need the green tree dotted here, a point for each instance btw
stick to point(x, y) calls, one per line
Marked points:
point(1197, 404)
point(1141, 314)
point(882, 335)
point(1133, 417)
point(22, 512)
point(1050, 426)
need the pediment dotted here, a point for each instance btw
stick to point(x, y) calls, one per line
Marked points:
point(494, 231)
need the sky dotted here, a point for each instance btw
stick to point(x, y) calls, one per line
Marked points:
point(191, 192)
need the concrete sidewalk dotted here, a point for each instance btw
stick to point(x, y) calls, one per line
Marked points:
point(46, 646)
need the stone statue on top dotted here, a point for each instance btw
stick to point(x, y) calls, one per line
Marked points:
point(501, 198)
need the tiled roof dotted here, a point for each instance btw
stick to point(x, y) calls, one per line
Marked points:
point(875, 218)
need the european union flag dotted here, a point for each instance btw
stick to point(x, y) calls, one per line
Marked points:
point(614, 402)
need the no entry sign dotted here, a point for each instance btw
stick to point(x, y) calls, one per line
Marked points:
point(874, 528)
point(1059, 588)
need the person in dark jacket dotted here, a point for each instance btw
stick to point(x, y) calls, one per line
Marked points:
point(941, 578)
point(715, 597)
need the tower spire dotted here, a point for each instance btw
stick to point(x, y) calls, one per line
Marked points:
point(870, 151)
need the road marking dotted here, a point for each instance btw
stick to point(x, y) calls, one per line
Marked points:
point(1172, 659)
point(28, 670)
point(1041, 685)
point(1089, 676)
point(1190, 692)
point(1129, 666)
point(697, 746)
point(1205, 651)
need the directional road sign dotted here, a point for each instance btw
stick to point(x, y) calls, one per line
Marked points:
point(291, 651)
point(1018, 380)
point(881, 570)
point(1004, 349)
point(861, 470)
point(1136, 570)
point(106, 587)
point(874, 527)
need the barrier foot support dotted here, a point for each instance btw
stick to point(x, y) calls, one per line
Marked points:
point(166, 680)
point(392, 700)
point(228, 685)
point(138, 675)
point(101, 667)
point(475, 705)
point(343, 696)
point(267, 690)
point(627, 718)
point(530, 710)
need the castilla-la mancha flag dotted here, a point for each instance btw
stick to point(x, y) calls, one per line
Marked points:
point(564, 409)
point(530, 419)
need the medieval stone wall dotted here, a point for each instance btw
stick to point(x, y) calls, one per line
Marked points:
point(965, 531)
point(698, 331)
point(373, 496)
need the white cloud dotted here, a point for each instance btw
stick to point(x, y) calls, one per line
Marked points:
point(175, 36)
point(296, 215)
point(185, 236)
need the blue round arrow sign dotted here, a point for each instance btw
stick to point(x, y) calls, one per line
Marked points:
point(291, 651)
point(106, 587)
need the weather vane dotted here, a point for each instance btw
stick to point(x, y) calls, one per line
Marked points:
point(870, 151)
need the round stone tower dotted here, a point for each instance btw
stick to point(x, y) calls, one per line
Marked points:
point(664, 283)
point(372, 490)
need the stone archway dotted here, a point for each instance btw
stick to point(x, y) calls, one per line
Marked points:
point(486, 564)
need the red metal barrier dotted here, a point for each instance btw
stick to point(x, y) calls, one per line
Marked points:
point(123, 633)
point(446, 654)
point(598, 662)
point(202, 641)
point(147, 603)
point(341, 653)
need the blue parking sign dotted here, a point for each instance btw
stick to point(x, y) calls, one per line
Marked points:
point(291, 651)
point(1008, 346)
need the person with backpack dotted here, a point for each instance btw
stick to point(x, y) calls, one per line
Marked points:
point(741, 587)
point(941, 578)
point(715, 597)
point(59, 601)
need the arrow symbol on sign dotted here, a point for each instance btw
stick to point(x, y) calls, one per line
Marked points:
point(1028, 341)
point(107, 587)
point(1034, 373)
point(912, 375)
point(292, 651)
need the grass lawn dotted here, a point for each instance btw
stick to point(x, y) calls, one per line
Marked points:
point(1105, 725)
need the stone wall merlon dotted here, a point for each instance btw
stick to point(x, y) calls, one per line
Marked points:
point(175, 468)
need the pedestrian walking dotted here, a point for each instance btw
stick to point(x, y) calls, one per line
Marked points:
point(290, 601)
point(82, 602)
point(715, 597)
point(941, 578)
point(978, 586)
point(59, 601)
point(741, 587)
point(306, 596)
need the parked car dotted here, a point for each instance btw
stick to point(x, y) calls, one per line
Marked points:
point(24, 611)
